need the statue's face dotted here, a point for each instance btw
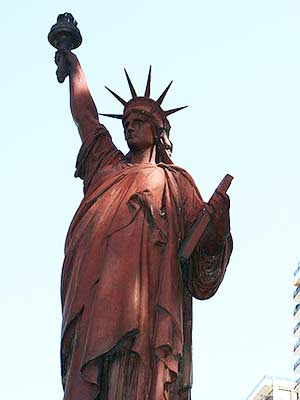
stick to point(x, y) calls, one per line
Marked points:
point(138, 132)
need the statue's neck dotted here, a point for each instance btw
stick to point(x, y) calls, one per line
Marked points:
point(143, 156)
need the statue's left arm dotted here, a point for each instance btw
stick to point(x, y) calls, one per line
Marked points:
point(207, 265)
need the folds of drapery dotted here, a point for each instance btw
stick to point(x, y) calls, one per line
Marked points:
point(121, 276)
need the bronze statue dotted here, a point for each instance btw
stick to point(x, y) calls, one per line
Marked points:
point(126, 300)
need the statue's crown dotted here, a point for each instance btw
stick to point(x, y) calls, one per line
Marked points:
point(145, 105)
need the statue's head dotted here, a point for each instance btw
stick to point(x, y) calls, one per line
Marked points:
point(144, 110)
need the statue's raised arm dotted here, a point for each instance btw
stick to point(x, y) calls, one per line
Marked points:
point(65, 36)
point(82, 105)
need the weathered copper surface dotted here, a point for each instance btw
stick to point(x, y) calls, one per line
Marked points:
point(199, 227)
point(127, 302)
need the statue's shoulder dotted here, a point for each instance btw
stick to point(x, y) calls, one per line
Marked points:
point(181, 175)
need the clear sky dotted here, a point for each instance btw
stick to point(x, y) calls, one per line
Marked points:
point(237, 65)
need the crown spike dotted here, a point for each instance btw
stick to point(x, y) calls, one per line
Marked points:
point(118, 116)
point(116, 96)
point(132, 89)
point(162, 96)
point(148, 86)
point(174, 110)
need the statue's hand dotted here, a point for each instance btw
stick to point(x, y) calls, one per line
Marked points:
point(67, 62)
point(218, 209)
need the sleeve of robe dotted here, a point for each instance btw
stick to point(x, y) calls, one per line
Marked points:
point(97, 153)
point(207, 265)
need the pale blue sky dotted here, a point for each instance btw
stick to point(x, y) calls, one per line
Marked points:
point(237, 65)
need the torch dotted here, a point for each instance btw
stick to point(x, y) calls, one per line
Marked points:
point(64, 35)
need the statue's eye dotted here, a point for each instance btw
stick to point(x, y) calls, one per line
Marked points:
point(138, 123)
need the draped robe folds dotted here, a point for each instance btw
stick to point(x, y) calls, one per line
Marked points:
point(121, 281)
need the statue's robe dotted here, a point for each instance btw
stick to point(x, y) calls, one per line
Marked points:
point(126, 305)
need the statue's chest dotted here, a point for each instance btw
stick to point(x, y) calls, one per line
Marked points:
point(149, 183)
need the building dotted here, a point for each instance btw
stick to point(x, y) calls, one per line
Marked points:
point(297, 325)
point(272, 388)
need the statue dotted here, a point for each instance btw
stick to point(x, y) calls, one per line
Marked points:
point(126, 300)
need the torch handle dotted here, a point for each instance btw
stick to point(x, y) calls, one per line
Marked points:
point(61, 72)
point(60, 60)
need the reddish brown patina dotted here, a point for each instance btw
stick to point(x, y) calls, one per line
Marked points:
point(127, 315)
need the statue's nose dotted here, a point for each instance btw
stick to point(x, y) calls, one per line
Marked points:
point(130, 128)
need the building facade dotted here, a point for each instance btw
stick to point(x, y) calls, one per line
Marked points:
point(297, 326)
point(272, 388)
